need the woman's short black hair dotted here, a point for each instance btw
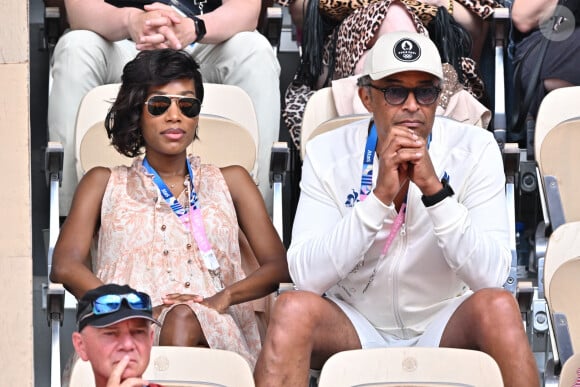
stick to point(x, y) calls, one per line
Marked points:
point(149, 68)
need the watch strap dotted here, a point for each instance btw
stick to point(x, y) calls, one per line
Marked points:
point(200, 30)
point(443, 193)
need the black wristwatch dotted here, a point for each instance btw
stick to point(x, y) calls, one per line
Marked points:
point(199, 28)
point(444, 192)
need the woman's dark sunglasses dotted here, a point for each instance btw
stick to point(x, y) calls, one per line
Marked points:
point(397, 95)
point(110, 303)
point(158, 104)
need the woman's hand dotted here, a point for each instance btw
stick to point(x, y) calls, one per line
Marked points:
point(219, 301)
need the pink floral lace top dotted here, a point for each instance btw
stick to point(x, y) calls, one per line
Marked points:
point(141, 242)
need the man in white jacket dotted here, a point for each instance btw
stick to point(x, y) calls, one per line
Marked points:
point(401, 232)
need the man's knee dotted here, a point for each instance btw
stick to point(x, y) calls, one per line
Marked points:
point(295, 308)
point(78, 40)
point(80, 57)
point(494, 305)
point(253, 49)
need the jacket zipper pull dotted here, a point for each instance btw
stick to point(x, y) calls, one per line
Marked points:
point(404, 229)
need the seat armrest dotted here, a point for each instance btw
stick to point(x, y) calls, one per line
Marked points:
point(53, 162)
point(500, 26)
point(279, 166)
point(270, 24)
point(562, 337)
point(554, 202)
point(511, 157)
point(55, 296)
point(285, 287)
point(279, 162)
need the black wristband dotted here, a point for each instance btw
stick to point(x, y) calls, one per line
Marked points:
point(444, 192)
point(199, 28)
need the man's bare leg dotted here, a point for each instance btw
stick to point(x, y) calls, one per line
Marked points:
point(305, 329)
point(490, 321)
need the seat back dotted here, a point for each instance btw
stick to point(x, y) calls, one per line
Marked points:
point(557, 106)
point(320, 115)
point(228, 132)
point(561, 273)
point(558, 156)
point(569, 374)
point(411, 366)
point(183, 367)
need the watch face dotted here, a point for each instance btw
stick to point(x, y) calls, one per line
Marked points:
point(199, 28)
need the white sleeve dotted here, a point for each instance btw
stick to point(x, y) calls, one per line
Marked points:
point(472, 228)
point(326, 244)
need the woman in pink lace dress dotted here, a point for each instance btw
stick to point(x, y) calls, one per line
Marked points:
point(169, 225)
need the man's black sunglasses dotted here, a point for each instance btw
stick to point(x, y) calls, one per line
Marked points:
point(397, 95)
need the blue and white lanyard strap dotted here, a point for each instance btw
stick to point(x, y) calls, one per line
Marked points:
point(191, 219)
point(366, 179)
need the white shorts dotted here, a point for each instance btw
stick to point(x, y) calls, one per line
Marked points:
point(370, 337)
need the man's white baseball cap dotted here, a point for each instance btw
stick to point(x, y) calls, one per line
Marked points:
point(396, 52)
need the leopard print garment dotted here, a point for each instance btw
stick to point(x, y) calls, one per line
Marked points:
point(359, 28)
point(339, 9)
point(354, 35)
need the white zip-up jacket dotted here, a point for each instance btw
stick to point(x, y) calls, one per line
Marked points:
point(440, 252)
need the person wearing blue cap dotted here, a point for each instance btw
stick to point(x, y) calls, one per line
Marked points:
point(115, 335)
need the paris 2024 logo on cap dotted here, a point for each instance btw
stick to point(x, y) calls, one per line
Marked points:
point(406, 50)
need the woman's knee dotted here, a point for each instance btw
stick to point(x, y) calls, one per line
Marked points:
point(181, 327)
point(180, 316)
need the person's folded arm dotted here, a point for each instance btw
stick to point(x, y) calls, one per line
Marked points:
point(110, 22)
point(325, 244)
point(472, 228)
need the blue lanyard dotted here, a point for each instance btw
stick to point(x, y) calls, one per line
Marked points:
point(366, 179)
point(191, 220)
point(168, 196)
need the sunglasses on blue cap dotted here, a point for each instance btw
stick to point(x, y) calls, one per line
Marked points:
point(110, 303)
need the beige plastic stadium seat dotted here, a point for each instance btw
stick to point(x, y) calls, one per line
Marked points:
point(320, 115)
point(570, 371)
point(406, 367)
point(228, 132)
point(183, 367)
point(561, 274)
point(559, 157)
point(557, 106)
point(556, 137)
